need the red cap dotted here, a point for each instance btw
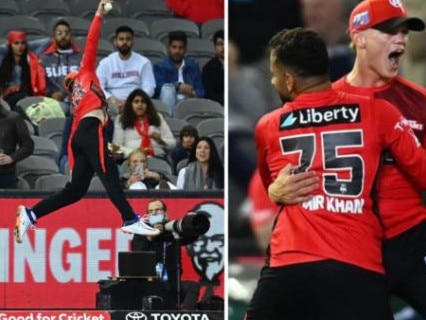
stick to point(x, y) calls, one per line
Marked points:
point(13, 36)
point(383, 15)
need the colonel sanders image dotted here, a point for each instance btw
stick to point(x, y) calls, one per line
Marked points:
point(207, 251)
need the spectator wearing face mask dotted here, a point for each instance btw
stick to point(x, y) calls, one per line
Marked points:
point(165, 247)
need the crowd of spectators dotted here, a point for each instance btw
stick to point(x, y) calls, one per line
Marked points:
point(134, 84)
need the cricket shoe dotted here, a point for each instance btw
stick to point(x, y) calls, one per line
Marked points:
point(137, 226)
point(24, 220)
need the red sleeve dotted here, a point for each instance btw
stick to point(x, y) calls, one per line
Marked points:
point(88, 61)
point(260, 134)
point(401, 140)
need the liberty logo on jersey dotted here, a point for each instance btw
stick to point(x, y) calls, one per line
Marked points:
point(320, 116)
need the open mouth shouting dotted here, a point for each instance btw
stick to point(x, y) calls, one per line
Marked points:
point(394, 58)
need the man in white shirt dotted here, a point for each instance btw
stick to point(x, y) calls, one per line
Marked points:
point(125, 70)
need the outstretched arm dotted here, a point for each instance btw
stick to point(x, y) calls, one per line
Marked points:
point(88, 61)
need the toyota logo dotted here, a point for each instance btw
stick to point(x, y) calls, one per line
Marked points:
point(136, 316)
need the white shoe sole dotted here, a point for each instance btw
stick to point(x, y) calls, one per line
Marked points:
point(17, 230)
point(147, 233)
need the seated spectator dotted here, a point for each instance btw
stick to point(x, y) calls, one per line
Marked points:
point(178, 77)
point(140, 125)
point(139, 175)
point(15, 145)
point(21, 74)
point(125, 70)
point(198, 11)
point(213, 72)
point(187, 136)
point(204, 170)
point(58, 59)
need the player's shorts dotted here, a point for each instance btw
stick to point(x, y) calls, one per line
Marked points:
point(404, 259)
point(321, 290)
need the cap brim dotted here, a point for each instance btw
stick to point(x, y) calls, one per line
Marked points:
point(413, 24)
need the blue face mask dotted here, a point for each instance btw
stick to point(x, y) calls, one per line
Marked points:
point(158, 218)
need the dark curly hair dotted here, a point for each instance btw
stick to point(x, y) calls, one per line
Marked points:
point(215, 170)
point(301, 50)
point(188, 131)
point(128, 116)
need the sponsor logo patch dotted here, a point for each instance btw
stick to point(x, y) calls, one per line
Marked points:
point(361, 19)
point(322, 116)
point(136, 316)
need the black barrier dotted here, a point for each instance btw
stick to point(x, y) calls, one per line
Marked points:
point(166, 315)
point(132, 293)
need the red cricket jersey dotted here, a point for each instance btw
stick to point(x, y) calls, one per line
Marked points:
point(87, 94)
point(341, 137)
point(399, 199)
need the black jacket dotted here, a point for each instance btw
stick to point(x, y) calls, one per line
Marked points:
point(15, 139)
point(213, 80)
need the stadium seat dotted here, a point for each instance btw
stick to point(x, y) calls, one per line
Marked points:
point(222, 151)
point(32, 26)
point(30, 126)
point(38, 44)
point(160, 28)
point(22, 184)
point(176, 125)
point(45, 147)
point(202, 50)
point(46, 9)
point(104, 47)
point(208, 28)
point(162, 108)
point(49, 126)
point(79, 26)
point(159, 165)
point(139, 27)
point(28, 101)
point(9, 8)
point(211, 127)
point(4, 104)
point(181, 164)
point(153, 49)
point(54, 181)
point(124, 169)
point(52, 129)
point(148, 10)
point(96, 184)
point(87, 8)
point(197, 109)
point(35, 166)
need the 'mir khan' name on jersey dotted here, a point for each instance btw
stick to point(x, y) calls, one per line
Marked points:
point(315, 117)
